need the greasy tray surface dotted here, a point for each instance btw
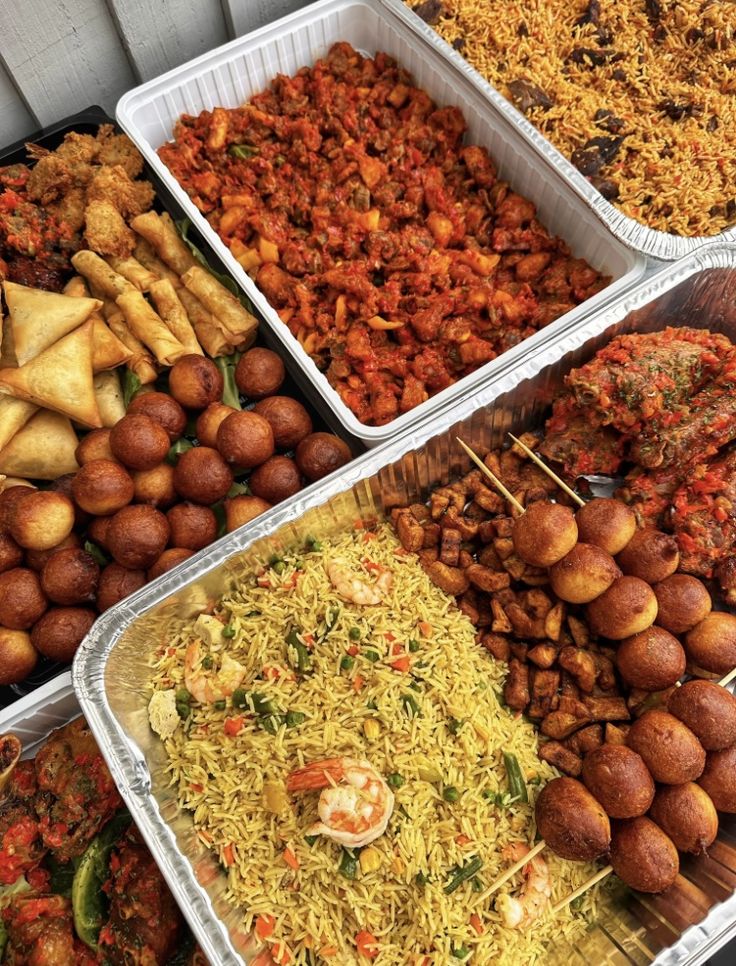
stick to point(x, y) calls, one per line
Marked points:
point(229, 75)
point(640, 238)
point(111, 672)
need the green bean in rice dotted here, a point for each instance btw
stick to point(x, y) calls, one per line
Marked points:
point(439, 733)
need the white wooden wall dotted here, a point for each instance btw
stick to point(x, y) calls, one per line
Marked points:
point(59, 56)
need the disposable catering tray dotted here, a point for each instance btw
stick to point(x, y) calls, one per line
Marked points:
point(638, 237)
point(229, 75)
point(296, 384)
point(111, 671)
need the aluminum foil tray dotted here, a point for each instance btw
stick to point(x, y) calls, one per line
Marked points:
point(229, 75)
point(638, 237)
point(111, 671)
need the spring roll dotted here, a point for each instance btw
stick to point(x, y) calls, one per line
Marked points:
point(7, 349)
point(100, 276)
point(150, 328)
point(161, 233)
point(109, 395)
point(212, 336)
point(130, 268)
point(223, 305)
point(141, 361)
point(147, 256)
point(174, 314)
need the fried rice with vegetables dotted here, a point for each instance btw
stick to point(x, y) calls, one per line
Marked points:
point(343, 747)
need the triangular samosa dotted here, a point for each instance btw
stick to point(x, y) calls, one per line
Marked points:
point(42, 450)
point(38, 318)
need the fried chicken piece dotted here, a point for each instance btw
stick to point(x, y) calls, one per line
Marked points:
point(21, 848)
point(112, 184)
point(106, 232)
point(77, 148)
point(49, 179)
point(77, 795)
point(40, 933)
point(574, 437)
point(704, 517)
point(144, 922)
point(69, 210)
point(118, 149)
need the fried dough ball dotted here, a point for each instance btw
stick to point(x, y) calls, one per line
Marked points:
point(583, 574)
point(687, 814)
point(626, 608)
point(719, 779)
point(102, 487)
point(571, 821)
point(201, 475)
point(242, 509)
point(117, 582)
point(245, 439)
point(195, 382)
point(319, 454)
point(9, 499)
point(65, 485)
point(683, 602)
point(607, 523)
point(544, 533)
point(162, 409)
point(61, 630)
point(42, 520)
point(139, 442)
point(37, 559)
point(94, 446)
point(619, 779)
point(137, 536)
point(650, 555)
point(70, 577)
point(643, 855)
point(259, 373)
point(652, 660)
point(18, 656)
point(11, 554)
point(670, 750)
point(289, 420)
point(22, 601)
point(276, 479)
point(208, 422)
point(711, 644)
point(708, 710)
point(97, 531)
point(192, 526)
point(155, 486)
point(168, 559)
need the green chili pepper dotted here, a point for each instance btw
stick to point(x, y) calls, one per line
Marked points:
point(262, 705)
point(476, 884)
point(395, 780)
point(454, 725)
point(271, 723)
point(451, 794)
point(240, 698)
point(517, 785)
point(331, 618)
point(242, 151)
point(463, 874)
point(421, 879)
point(354, 633)
point(219, 705)
point(372, 656)
point(295, 718)
point(410, 705)
point(179, 447)
point(348, 864)
point(228, 631)
point(413, 645)
point(301, 660)
point(415, 686)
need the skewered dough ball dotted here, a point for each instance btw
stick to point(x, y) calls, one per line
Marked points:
point(571, 821)
point(609, 524)
point(683, 602)
point(583, 574)
point(711, 644)
point(708, 710)
point(687, 814)
point(652, 660)
point(670, 750)
point(650, 555)
point(643, 855)
point(619, 779)
point(544, 533)
point(628, 607)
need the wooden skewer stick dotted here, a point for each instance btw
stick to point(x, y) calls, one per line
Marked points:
point(491, 476)
point(600, 874)
point(550, 473)
point(728, 678)
point(512, 870)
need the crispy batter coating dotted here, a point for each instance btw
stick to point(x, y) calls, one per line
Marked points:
point(112, 184)
point(105, 230)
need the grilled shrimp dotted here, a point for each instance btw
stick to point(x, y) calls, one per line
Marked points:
point(206, 685)
point(535, 891)
point(355, 804)
point(354, 588)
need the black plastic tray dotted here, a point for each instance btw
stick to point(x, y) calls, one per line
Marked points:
point(87, 122)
